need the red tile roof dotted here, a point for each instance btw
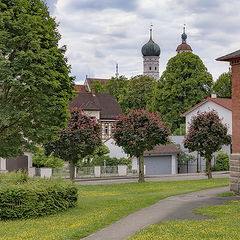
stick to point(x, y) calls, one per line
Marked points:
point(163, 149)
point(184, 47)
point(92, 80)
point(81, 88)
point(103, 102)
point(224, 102)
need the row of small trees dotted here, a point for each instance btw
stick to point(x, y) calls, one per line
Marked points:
point(137, 132)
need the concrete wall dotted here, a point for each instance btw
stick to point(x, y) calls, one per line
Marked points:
point(223, 113)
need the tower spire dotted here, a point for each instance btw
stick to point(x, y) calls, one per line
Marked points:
point(184, 35)
point(151, 31)
point(117, 73)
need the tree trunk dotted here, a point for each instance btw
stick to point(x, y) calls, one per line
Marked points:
point(208, 167)
point(72, 170)
point(141, 168)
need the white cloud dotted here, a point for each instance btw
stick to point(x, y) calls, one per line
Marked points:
point(100, 34)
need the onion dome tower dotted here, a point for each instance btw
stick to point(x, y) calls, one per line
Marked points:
point(184, 47)
point(151, 52)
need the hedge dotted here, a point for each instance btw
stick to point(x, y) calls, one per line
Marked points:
point(22, 197)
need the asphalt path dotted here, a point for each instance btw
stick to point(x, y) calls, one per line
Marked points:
point(171, 208)
point(175, 177)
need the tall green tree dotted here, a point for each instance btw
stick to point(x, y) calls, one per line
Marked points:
point(97, 86)
point(206, 135)
point(183, 84)
point(35, 86)
point(139, 131)
point(138, 93)
point(223, 85)
point(116, 86)
point(78, 140)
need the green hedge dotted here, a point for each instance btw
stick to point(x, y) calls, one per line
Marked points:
point(22, 197)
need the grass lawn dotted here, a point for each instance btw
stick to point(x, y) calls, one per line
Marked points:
point(98, 207)
point(226, 225)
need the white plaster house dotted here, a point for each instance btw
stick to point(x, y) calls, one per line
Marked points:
point(223, 107)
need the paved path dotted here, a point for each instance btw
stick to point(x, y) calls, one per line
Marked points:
point(175, 207)
point(175, 177)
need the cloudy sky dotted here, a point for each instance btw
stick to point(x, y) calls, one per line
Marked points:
point(101, 33)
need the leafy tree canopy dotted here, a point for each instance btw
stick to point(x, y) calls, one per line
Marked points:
point(116, 86)
point(79, 139)
point(183, 84)
point(35, 86)
point(206, 134)
point(139, 131)
point(138, 93)
point(97, 86)
point(223, 85)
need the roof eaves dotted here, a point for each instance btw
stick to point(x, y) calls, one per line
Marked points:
point(220, 104)
point(194, 107)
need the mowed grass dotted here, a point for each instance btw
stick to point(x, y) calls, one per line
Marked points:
point(226, 225)
point(98, 207)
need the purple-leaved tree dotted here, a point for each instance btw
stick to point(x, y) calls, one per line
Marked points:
point(139, 131)
point(79, 139)
point(206, 134)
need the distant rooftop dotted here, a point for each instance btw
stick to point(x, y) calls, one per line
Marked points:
point(230, 56)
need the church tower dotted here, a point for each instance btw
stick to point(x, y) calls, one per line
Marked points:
point(151, 52)
point(184, 47)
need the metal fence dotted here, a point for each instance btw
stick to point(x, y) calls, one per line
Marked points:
point(109, 171)
point(84, 172)
point(61, 172)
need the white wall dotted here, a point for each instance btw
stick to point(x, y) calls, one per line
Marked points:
point(3, 164)
point(95, 114)
point(115, 151)
point(223, 113)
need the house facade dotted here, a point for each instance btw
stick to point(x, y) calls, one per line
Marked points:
point(223, 107)
point(101, 106)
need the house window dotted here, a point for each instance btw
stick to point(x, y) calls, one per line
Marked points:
point(112, 129)
point(150, 68)
point(106, 129)
point(155, 68)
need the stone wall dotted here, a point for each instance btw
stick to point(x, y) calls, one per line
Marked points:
point(235, 173)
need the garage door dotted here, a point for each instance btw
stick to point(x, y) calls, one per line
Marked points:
point(158, 165)
point(15, 164)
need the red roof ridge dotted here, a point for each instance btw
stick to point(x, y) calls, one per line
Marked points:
point(215, 100)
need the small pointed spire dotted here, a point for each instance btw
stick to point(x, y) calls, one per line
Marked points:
point(184, 35)
point(151, 31)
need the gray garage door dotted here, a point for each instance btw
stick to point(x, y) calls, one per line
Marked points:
point(15, 164)
point(158, 165)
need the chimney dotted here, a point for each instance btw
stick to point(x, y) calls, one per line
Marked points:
point(213, 95)
point(93, 91)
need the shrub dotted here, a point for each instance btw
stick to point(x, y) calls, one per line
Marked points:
point(41, 160)
point(34, 197)
point(222, 162)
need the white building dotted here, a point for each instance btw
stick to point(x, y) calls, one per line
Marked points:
point(223, 107)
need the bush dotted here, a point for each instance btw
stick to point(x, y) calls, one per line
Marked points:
point(22, 197)
point(222, 162)
point(41, 160)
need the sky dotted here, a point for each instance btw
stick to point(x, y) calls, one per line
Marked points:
point(102, 33)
